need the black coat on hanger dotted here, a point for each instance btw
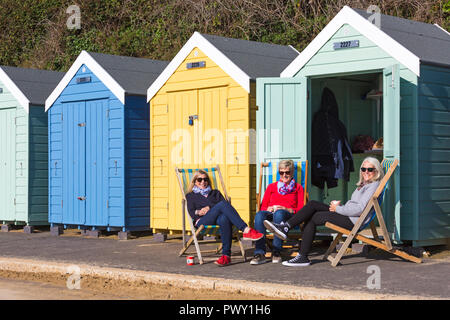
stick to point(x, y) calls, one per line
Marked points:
point(331, 153)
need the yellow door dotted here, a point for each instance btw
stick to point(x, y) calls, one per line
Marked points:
point(212, 127)
point(197, 130)
point(182, 106)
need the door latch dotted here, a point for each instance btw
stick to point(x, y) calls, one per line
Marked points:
point(83, 124)
point(81, 198)
point(192, 118)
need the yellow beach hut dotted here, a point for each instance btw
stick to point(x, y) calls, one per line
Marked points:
point(203, 114)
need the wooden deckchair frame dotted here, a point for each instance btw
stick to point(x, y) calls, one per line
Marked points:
point(202, 229)
point(384, 244)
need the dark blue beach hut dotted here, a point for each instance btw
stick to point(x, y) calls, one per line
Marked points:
point(99, 145)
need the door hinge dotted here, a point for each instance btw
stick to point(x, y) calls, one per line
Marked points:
point(61, 203)
point(107, 113)
point(167, 108)
point(226, 102)
point(62, 118)
point(14, 201)
point(167, 205)
point(107, 203)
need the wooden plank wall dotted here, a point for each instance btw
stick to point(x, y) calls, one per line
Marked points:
point(434, 153)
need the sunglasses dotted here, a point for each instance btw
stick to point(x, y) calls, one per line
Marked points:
point(200, 180)
point(282, 173)
point(368, 169)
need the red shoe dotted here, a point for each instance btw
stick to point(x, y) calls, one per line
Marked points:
point(223, 261)
point(252, 235)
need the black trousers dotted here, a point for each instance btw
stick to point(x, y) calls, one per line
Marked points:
point(314, 214)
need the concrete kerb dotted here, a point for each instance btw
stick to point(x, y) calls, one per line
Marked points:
point(141, 278)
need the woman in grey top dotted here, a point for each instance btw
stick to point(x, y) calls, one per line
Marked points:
point(315, 213)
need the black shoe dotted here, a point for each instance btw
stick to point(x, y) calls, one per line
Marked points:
point(258, 259)
point(279, 230)
point(298, 261)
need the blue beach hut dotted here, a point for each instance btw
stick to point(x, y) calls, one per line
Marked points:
point(23, 146)
point(99, 145)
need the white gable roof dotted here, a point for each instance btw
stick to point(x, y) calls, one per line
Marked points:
point(86, 59)
point(367, 29)
point(197, 40)
point(14, 89)
point(29, 86)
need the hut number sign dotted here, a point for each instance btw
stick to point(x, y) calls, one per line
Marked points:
point(346, 44)
point(193, 65)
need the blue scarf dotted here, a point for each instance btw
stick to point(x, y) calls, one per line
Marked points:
point(203, 192)
point(284, 189)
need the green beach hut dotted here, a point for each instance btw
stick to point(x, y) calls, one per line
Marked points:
point(391, 80)
point(23, 146)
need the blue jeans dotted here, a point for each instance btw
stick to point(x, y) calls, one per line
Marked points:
point(277, 217)
point(224, 215)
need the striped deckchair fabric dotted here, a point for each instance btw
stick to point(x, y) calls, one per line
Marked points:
point(187, 175)
point(184, 177)
point(386, 165)
point(269, 174)
point(373, 208)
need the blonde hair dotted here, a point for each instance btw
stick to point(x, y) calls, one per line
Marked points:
point(287, 164)
point(379, 170)
point(194, 178)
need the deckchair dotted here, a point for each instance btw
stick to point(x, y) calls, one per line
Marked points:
point(269, 173)
point(373, 208)
point(184, 177)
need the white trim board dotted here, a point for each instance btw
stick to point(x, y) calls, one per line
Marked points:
point(15, 91)
point(86, 59)
point(197, 40)
point(349, 16)
point(442, 29)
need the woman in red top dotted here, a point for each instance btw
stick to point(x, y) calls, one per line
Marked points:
point(281, 201)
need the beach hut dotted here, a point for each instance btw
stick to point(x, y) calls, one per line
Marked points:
point(23, 146)
point(98, 144)
point(391, 80)
point(203, 114)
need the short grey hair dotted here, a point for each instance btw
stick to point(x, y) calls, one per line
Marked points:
point(286, 164)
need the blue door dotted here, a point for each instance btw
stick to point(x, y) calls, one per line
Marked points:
point(74, 163)
point(97, 166)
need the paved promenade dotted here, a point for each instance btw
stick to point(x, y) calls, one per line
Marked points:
point(353, 279)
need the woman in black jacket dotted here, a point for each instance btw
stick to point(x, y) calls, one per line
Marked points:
point(209, 207)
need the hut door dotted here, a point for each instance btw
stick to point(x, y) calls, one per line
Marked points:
point(74, 162)
point(212, 131)
point(283, 112)
point(7, 164)
point(197, 129)
point(391, 112)
point(183, 150)
point(391, 140)
point(97, 182)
